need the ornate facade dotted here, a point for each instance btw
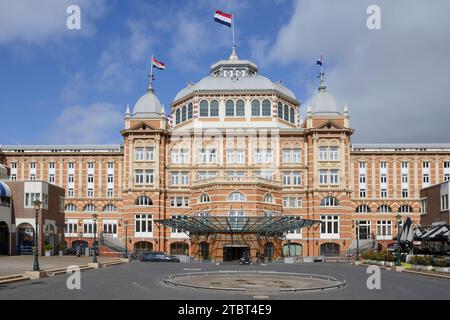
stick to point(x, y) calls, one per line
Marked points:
point(236, 146)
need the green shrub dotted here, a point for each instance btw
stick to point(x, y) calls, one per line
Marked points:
point(421, 260)
point(48, 247)
point(440, 262)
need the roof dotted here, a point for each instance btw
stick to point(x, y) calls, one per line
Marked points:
point(148, 106)
point(237, 76)
point(5, 191)
point(323, 103)
point(63, 148)
point(401, 146)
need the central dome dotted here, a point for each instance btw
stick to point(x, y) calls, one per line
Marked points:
point(323, 103)
point(234, 75)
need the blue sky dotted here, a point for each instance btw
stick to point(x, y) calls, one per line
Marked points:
point(72, 86)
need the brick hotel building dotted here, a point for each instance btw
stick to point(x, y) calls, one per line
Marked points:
point(236, 146)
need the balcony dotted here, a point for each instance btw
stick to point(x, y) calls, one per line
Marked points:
point(236, 180)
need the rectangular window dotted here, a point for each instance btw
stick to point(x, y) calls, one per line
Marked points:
point(444, 202)
point(90, 178)
point(329, 226)
point(426, 178)
point(149, 155)
point(110, 165)
point(230, 156)
point(90, 165)
point(286, 178)
point(404, 178)
point(90, 192)
point(185, 178)
point(362, 193)
point(323, 176)
point(362, 165)
point(333, 153)
point(383, 193)
point(51, 178)
point(362, 178)
point(148, 176)
point(286, 155)
point(383, 164)
point(384, 230)
point(70, 178)
point(71, 165)
point(70, 193)
point(383, 178)
point(51, 165)
point(240, 156)
point(110, 178)
point(32, 177)
point(296, 178)
point(138, 154)
point(139, 176)
point(296, 155)
point(404, 193)
point(32, 165)
point(323, 153)
point(143, 225)
point(110, 193)
point(404, 164)
point(334, 176)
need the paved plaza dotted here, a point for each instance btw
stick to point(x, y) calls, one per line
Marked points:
point(11, 265)
point(139, 280)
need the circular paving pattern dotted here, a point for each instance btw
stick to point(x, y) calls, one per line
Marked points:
point(254, 281)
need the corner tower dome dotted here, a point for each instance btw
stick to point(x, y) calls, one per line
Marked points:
point(234, 75)
point(148, 106)
point(323, 102)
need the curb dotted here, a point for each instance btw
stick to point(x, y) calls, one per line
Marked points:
point(429, 274)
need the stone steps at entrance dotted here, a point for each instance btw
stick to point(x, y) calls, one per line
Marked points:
point(13, 278)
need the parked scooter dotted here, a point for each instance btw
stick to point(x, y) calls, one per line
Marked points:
point(245, 259)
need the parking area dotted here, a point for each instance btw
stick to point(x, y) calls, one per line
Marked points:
point(143, 280)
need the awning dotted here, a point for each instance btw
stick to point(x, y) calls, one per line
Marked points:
point(439, 232)
point(271, 226)
point(5, 191)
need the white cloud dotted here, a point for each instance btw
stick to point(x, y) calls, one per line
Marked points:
point(91, 124)
point(40, 21)
point(394, 79)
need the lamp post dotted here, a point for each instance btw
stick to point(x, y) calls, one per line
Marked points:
point(94, 255)
point(126, 237)
point(357, 239)
point(397, 261)
point(37, 207)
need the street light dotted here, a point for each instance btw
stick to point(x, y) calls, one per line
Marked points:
point(357, 239)
point(125, 223)
point(397, 261)
point(94, 255)
point(37, 207)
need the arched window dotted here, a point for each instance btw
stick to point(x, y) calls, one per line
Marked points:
point(280, 110)
point(362, 209)
point(268, 198)
point(204, 108)
point(177, 116)
point(189, 111)
point(143, 201)
point(214, 108)
point(286, 113)
point(266, 108)
point(71, 207)
point(240, 108)
point(204, 198)
point(292, 116)
point(329, 202)
point(89, 208)
point(229, 108)
point(183, 114)
point(256, 108)
point(109, 208)
point(405, 208)
point(384, 208)
point(236, 196)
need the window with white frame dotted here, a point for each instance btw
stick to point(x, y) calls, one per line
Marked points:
point(263, 156)
point(110, 227)
point(329, 202)
point(109, 207)
point(70, 178)
point(362, 193)
point(404, 193)
point(89, 208)
point(138, 154)
point(383, 178)
point(329, 228)
point(89, 228)
point(175, 230)
point(207, 156)
point(236, 196)
point(323, 176)
point(329, 176)
point(204, 198)
point(110, 165)
point(143, 201)
point(384, 230)
point(110, 193)
point(444, 202)
point(70, 207)
point(30, 197)
point(143, 225)
point(71, 228)
point(292, 202)
point(70, 193)
point(203, 175)
point(110, 178)
point(268, 198)
point(90, 165)
point(423, 206)
point(179, 201)
point(383, 193)
point(333, 153)
point(51, 178)
point(90, 193)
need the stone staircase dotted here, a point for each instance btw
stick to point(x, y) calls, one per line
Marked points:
point(111, 247)
point(364, 245)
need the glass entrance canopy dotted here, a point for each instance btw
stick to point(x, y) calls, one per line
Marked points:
point(269, 226)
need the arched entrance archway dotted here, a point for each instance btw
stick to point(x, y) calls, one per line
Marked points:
point(25, 239)
point(80, 246)
point(204, 250)
point(179, 248)
point(269, 250)
point(143, 246)
point(292, 250)
point(4, 238)
point(329, 249)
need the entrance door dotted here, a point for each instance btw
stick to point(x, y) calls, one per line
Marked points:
point(25, 239)
point(268, 251)
point(234, 253)
point(4, 238)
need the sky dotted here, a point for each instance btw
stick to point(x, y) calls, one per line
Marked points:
point(61, 86)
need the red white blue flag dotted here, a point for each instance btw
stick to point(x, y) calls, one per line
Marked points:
point(223, 18)
point(320, 61)
point(158, 64)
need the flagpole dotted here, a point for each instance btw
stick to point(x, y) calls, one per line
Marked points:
point(232, 25)
point(150, 82)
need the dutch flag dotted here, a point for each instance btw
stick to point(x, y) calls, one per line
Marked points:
point(320, 60)
point(223, 18)
point(158, 64)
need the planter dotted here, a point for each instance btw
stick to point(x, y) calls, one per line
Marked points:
point(61, 253)
point(289, 260)
point(48, 253)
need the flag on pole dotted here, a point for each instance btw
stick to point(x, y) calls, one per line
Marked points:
point(223, 18)
point(320, 60)
point(158, 64)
